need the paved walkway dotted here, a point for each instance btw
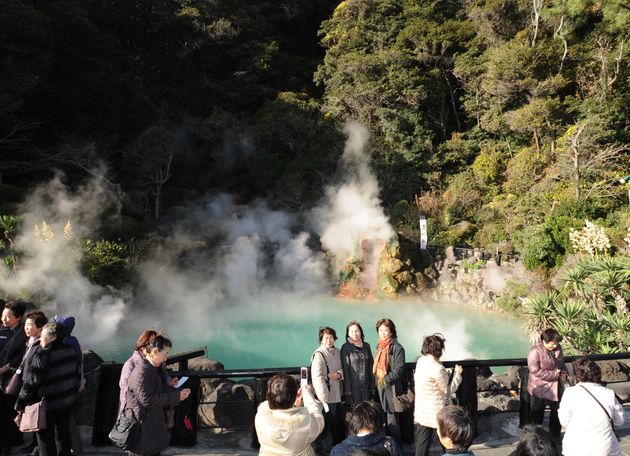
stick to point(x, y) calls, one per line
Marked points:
point(498, 439)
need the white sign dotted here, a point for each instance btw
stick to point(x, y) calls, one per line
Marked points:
point(423, 233)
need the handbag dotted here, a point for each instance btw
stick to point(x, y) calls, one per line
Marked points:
point(15, 384)
point(33, 418)
point(127, 430)
point(404, 401)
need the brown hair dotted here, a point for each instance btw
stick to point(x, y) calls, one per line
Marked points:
point(387, 322)
point(281, 391)
point(434, 345)
point(366, 415)
point(587, 370)
point(326, 330)
point(145, 339)
point(551, 335)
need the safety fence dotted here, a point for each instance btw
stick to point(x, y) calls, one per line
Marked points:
point(238, 410)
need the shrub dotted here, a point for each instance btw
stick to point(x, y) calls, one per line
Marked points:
point(538, 248)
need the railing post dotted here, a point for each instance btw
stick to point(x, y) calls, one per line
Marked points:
point(523, 411)
point(467, 394)
point(260, 395)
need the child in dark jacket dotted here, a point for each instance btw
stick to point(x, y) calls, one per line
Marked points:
point(455, 430)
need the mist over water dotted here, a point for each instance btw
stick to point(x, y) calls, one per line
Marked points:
point(250, 282)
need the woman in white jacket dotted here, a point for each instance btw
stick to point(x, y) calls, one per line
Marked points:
point(432, 385)
point(587, 411)
point(285, 427)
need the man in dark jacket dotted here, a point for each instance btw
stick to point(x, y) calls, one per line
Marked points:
point(366, 424)
point(54, 376)
point(12, 349)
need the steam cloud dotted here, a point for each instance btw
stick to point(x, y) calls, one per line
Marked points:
point(50, 270)
point(218, 256)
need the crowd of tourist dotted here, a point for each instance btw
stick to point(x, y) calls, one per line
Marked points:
point(351, 403)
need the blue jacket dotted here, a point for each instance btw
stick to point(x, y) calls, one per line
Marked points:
point(374, 441)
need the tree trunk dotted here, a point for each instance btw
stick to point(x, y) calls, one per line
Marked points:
point(453, 103)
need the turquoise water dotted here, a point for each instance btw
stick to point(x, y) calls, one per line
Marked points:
point(281, 331)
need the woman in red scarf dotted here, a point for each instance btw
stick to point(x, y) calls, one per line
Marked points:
point(389, 371)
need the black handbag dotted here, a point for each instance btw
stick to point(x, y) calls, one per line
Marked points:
point(126, 431)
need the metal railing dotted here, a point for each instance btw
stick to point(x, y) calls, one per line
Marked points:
point(467, 393)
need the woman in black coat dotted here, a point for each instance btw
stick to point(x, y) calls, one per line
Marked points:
point(148, 396)
point(389, 371)
point(357, 362)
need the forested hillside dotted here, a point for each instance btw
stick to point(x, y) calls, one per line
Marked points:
point(504, 122)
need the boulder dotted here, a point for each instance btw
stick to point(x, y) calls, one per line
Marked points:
point(230, 404)
point(387, 284)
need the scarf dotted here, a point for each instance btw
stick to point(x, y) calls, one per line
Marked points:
point(381, 361)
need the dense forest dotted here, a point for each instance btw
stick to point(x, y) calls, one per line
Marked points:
point(504, 122)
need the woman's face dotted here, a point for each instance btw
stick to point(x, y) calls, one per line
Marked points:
point(159, 356)
point(328, 340)
point(551, 345)
point(46, 338)
point(383, 332)
point(31, 329)
point(354, 333)
point(9, 319)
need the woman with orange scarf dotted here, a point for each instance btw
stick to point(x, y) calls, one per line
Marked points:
point(389, 371)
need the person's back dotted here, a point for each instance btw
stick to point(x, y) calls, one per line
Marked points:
point(284, 428)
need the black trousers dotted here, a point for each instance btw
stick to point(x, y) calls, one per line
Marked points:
point(424, 437)
point(10, 435)
point(537, 413)
point(57, 423)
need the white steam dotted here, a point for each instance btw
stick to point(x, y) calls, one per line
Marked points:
point(50, 268)
point(352, 210)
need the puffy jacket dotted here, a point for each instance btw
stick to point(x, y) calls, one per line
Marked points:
point(432, 389)
point(53, 375)
point(289, 431)
point(543, 365)
point(148, 396)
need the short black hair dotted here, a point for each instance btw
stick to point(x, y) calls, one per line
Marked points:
point(536, 441)
point(551, 335)
point(160, 342)
point(358, 325)
point(455, 423)
point(38, 317)
point(433, 345)
point(16, 307)
point(366, 415)
point(281, 391)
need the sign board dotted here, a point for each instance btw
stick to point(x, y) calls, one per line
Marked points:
point(423, 233)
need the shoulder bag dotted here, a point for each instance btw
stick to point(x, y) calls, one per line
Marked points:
point(15, 384)
point(33, 418)
point(403, 400)
point(126, 431)
point(612, 425)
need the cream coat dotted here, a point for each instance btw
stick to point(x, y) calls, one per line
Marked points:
point(290, 431)
point(432, 389)
point(587, 427)
point(329, 393)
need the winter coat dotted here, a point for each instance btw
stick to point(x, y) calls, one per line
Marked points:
point(587, 428)
point(54, 375)
point(289, 431)
point(458, 453)
point(432, 389)
point(148, 396)
point(323, 362)
point(12, 350)
point(396, 378)
point(358, 379)
point(543, 377)
point(374, 441)
point(123, 383)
